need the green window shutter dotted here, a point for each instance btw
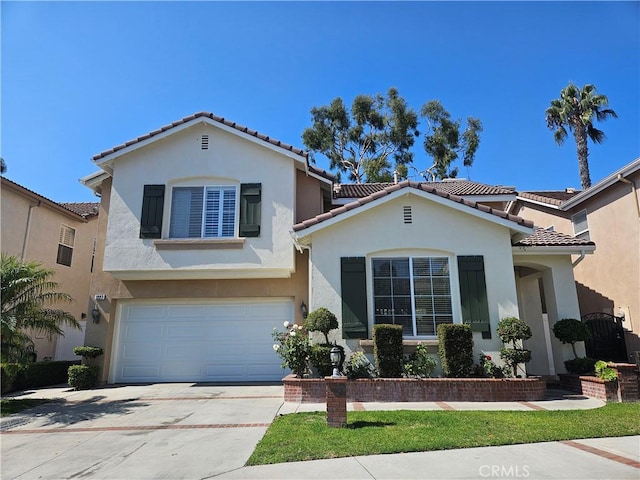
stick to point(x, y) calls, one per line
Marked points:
point(152, 211)
point(250, 206)
point(354, 297)
point(473, 294)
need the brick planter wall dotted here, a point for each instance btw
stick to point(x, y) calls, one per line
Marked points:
point(312, 390)
point(570, 382)
point(597, 388)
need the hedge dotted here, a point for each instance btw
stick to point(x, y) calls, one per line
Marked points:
point(387, 350)
point(455, 347)
point(17, 376)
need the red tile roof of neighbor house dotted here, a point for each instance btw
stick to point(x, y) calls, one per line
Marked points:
point(556, 197)
point(548, 238)
point(453, 187)
point(84, 209)
point(213, 117)
point(390, 188)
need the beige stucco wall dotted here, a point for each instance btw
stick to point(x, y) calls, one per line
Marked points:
point(437, 230)
point(308, 196)
point(101, 333)
point(179, 160)
point(39, 242)
point(609, 279)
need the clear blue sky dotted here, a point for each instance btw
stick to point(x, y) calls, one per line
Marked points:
point(79, 78)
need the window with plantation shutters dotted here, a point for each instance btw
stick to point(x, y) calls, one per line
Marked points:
point(203, 212)
point(473, 294)
point(66, 241)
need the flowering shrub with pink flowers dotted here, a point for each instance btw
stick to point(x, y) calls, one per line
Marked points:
point(293, 347)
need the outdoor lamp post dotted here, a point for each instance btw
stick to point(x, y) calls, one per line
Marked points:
point(336, 357)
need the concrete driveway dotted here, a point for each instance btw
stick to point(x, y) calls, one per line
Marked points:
point(171, 431)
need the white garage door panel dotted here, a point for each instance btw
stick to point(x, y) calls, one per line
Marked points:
point(203, 342)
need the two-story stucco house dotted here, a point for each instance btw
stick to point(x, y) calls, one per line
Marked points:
point(61, 236)
point(608, 213)
point(212, 235)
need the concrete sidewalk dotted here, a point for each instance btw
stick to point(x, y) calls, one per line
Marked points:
point(197, 431)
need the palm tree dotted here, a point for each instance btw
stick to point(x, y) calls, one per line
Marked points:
point(576, 109)
point(28, 292)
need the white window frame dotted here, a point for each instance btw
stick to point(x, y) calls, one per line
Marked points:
point(220, 213)
point(453, 298)
point(584, 233)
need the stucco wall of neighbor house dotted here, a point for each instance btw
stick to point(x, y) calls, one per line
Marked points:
point(561, 301)
point(436, 230)
point(39, 242)
point(101, 334)
point(609, 279)
point(179, 160)
point(308, 196)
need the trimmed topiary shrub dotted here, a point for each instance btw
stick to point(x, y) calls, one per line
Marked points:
point(83, 377)
point(580, 365)
point(387, 350)
point(320, 359)
point(514, 331)
point(321, 320)
point(571, 330)
point(455, 347)
point(88, 352)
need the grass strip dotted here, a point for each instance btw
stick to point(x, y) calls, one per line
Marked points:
point(9, 406)
point(305, 436)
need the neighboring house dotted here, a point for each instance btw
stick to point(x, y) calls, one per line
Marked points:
point(62, 237)
point(608, 214)
point(211, 235)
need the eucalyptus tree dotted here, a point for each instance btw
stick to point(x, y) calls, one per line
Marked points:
point(444, 141)
point(29, 294)
point(364, 140)
point(576, 109)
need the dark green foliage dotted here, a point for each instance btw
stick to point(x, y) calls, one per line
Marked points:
point(570, 330)
point(387, 350)
point(580, 365)
point(512, 330)
point(419, 364)
point(84, 377)
point(32, 375)
point(320, 359)
point(88, 352)
point(576, 110)
point(362, 142)
point(321, 320)
point(358, 366)
point(455, 347)
point(444, 143)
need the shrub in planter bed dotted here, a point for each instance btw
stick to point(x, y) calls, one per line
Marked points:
point(321, 320)
point(512, 330)
point(31, 375)
point(358, 366)
point(87, 352)
point(387, 350)
point(83, 377)
point(571, 330)
point(419, 364)
point(580, 365)
point(320, 359)
point(605, 372)
point(455, 347)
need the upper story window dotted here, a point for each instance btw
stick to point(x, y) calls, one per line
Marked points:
point(203, 212)
point(65, 245)
point(580, 225)
point(414, 292)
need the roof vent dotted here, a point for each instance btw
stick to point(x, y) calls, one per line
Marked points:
point(408, 217)
point(204, 143)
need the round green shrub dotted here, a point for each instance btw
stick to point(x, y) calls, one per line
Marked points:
point(83, 377)
point(88, 352)
point(511, 329)
point(580, 365)
point(321, 320)
point(570, 330)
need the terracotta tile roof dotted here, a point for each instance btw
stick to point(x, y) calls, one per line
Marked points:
point(454, 187)
point(556, 197)
point(216, 118)
point(548, 238)
point(84, 209)
point(408, 184)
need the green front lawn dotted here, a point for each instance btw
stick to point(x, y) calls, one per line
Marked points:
point(15, 405)
point(305, 436)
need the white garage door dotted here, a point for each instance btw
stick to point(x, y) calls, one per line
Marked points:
point(199, 342)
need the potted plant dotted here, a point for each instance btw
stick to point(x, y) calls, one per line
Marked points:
point(514, 331)
point(570, 331)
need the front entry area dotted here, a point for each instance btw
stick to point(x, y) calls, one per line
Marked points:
point(198, 341)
